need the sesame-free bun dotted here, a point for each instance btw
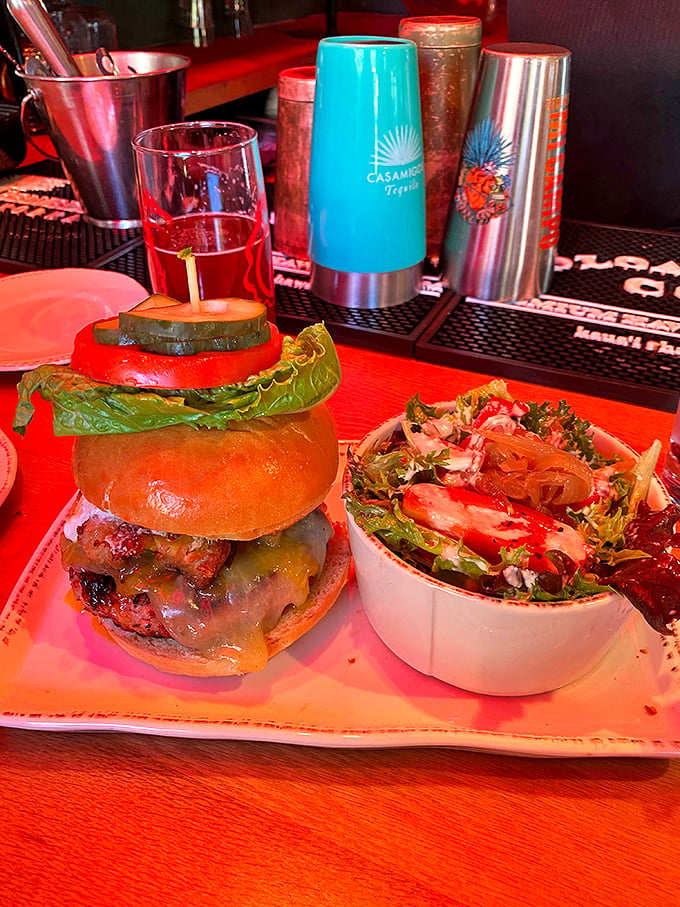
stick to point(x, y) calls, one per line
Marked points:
point(173, 658)
point(252, 479)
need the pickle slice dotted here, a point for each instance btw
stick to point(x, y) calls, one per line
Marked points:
point(155, 301)
point(207, 345)
point(181, 323)
point(108, 332)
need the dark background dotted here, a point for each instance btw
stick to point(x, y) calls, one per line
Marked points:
point(156, 26)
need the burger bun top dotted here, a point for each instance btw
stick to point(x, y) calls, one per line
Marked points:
point(254, 478)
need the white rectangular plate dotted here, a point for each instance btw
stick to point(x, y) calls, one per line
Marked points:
point(338, 686)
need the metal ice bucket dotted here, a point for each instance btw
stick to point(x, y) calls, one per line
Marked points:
point(92, 120)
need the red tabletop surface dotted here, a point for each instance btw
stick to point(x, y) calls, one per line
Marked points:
point(97, 818)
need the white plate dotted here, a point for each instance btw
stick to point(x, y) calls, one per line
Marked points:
point(338, 686)
point(8, 466)
point(42, 311)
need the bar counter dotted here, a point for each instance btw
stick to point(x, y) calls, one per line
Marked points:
point(101, 818)
point(230, 68)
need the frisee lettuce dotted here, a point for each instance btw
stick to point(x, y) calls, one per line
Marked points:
point(306, 375)
point(380, 475)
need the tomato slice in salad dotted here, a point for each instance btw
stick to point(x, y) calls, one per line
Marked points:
point(499, 406)
point(485, 524)
point(131, 366)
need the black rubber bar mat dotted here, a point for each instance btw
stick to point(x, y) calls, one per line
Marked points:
point(609, 325)
point(393, 330)
point(41, 226)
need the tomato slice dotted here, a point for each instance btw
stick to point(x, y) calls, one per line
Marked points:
point(485, 525)
point(496, 406)
point(131, 366)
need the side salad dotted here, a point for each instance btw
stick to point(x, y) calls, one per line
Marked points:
point(511, 499)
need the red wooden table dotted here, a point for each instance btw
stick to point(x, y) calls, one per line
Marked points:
point(96, 818)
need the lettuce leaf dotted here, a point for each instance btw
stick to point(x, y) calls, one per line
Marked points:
point(450, 560)
point(306, 375)
point(402, 534)
point(550, 419)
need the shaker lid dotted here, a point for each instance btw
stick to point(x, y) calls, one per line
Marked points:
point(442, 31)
point(523, 49)
point(297, 83)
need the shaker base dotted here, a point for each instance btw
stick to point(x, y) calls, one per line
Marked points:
point(376, 290)
point(120, 224)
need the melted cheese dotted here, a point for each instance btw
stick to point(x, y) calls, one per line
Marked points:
point(232, 617)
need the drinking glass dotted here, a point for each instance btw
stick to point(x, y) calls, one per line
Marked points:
point(201, 187)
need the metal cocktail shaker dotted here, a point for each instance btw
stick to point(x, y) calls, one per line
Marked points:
point(505, 215)
point(294, 143)
point(366, 185)
point(448, 54)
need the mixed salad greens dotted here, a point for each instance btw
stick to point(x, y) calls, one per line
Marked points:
point(512, 499)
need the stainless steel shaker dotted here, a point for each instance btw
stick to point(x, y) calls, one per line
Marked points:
point(366, 173)
point(505, 214)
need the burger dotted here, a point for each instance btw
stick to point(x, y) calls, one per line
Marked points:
point(205, 551)
point(199, 539)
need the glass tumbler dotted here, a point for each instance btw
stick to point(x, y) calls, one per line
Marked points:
point(201, 187)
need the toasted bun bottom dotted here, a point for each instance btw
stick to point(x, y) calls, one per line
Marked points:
point(173, 658)
point(252, 479)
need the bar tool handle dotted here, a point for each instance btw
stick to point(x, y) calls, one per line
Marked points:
point(34, 19)
point(28, 99)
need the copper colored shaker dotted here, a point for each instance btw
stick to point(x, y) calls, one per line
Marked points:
point(448, 53)
point(293, 146)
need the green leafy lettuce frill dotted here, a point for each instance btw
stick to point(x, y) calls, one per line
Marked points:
point(307, 374)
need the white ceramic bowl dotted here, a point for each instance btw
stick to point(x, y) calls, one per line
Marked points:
point(500, 647)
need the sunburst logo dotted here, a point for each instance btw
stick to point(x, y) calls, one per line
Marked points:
point(399, 147)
